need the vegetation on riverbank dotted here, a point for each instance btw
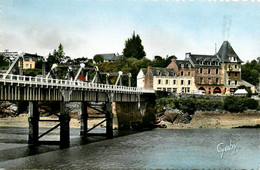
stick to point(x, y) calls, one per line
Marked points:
point(190, 105)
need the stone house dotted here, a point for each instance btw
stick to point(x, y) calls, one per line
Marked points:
point(166, 79)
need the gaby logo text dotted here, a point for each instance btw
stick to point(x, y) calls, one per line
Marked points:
point(231, 147)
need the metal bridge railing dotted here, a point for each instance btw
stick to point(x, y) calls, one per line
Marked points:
point(41, 81)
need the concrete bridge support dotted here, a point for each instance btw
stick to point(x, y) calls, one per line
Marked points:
point(64, 125)
point(109, 120)
point(84, 119)
point(33, 123)
point(127, 114)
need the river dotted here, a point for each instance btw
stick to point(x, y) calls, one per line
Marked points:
point(158, 148)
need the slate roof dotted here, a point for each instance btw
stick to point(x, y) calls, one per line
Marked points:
point(185, 62)
point(111, 56)
point(34, 57)
point(226, 52)
point(208, 60)
point(158, 71)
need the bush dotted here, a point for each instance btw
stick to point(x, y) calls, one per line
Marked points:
point(252, 104)
point(235, 104)
point(187, 106)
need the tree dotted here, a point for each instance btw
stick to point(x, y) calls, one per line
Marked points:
point(98, 58)
point(134, 48)
point(57, 57)
point(251, 72)
point(4, 64)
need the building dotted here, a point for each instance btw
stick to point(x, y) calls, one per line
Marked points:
point(231, 69)
point(166, 79)
point(141, 77)
point(211, 74)
point(29, 60)
point(111, 57)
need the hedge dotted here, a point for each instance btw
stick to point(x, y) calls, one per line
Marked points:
point(190, 105)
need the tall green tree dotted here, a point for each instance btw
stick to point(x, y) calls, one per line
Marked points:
point(251, 72)
point(98, 58)
point(57, 57)
point(134, 48)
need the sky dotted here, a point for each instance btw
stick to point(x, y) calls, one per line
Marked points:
point(89, 27)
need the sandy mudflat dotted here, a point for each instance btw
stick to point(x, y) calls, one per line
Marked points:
point(22, 121)
point(226, 121)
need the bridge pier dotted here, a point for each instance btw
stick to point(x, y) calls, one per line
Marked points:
point(33, 122)
point(64, 125)
point(84, 119)
point(109, 120)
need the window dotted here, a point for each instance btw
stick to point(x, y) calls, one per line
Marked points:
point(182, 82)
point(30, 65)
point(188, 82)
point(188, 73)
point(236, 74)
point(201, 79)
point(166, 82)
point(174, 81)
point(168, 89)
point(235, 82)
point(164, 89)
point(228, 82)
point(174, 90)
point(158, 72)
point(181, 73)
point(183, 89)
point(235, 66)
point(229, 74)
point(209, 71)
point(159, 81)
point(182, 65)
point(27, 65)
point(216, 80)
point(159, 88)
point(216, 70)
point(201, 70)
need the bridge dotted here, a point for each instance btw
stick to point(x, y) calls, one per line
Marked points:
point(117, 102)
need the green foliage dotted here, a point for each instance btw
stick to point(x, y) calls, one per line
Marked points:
point(251, 72)
point(189, 105)
point(134, 48)
point(126, 65)
point(252, 104)
point(32, 72)
point(235, 104)
point(161, 62)
point(208, 105)
point(4, 64)
point(57, 57)
point(98, 58)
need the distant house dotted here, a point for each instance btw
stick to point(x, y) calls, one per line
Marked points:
point(141, 77)
point(111, 57)
point(29, 61)
point(166, 79)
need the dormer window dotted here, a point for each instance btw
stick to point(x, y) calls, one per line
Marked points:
point(166, 73)
point(182, 65)
point(189, 65)
point(201, 63)
point(158, 72)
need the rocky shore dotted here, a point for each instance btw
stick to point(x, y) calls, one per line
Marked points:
point(218, 120)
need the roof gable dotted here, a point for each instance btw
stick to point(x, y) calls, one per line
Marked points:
point(227, 53)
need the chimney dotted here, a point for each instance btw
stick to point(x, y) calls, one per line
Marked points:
point(187, 55)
